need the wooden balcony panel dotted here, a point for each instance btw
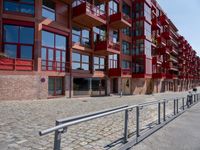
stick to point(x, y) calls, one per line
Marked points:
point(87, 15)
point(120, 21)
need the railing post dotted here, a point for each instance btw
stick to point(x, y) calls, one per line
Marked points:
point(57, 138)
point(183, 103)
point(177, 105)
point(174, 107)
point(126, 126)
point(137, 122)
point(187, 102)
point(159, 113)
point(164, 108)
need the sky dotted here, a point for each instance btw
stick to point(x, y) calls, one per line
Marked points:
point(185, 14)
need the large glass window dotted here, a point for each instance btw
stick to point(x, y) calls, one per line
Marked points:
point(81, 37)
point(113, 61)
point(18, 41)
point(147, 12)
point(148, 48)
point(80, 61)
point(53, 51)
point(138, 66)
point(99, 34)
point(113, 7)
point(147, 30)
point(126, 48)
point(19, 6)
point(48, 9)
point(99, 64)
point(126, 64)
point(138, 47)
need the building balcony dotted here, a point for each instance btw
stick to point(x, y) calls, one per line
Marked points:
point(163, 20)
point(10, 64)
point(174, 59)
point(120, 21)
point(157, 60)
point(172, 50)
point(161, 41)
point(92, 15)
point(166, 35)
point(106, 47)
point(155, 24)
point(162, 50)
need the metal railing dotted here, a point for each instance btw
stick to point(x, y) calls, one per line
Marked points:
point(180, 105)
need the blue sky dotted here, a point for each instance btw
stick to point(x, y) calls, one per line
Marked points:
point(185, 14)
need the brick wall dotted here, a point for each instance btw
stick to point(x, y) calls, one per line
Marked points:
point(23, 87)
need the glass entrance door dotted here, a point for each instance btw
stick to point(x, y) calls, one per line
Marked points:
point(55, 86)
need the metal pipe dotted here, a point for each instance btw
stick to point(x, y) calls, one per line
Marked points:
point(164, 108)
point(126, 126)
point(159, 113)
point(64, 125)
point(137, 121)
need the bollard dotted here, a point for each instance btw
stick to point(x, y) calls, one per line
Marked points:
point(126, 126)
point(159, 113)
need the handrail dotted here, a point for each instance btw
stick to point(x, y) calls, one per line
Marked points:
point(44, 132)
point(63, 124)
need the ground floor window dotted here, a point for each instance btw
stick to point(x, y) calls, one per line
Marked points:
point(55, 86)
point(89, 86)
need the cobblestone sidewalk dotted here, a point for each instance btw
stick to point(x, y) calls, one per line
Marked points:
point(21, 121)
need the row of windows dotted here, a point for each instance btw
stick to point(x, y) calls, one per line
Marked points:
point(28, 7)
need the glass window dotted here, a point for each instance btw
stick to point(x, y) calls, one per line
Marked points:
point(47, 39)
point(18, 41)
point(99, 63)
point(26, 32)
point(26, 52)
point(126, 48)
point(113, 7)
point(11, 33)
point(10, 50)
point(60, 42)
point(113, 61)
point(126, 64)
point(80, 62)
point(20, 6)
point(48, 9)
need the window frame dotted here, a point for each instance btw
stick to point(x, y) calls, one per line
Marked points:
point(50, 10)
point(55, 50)
point(18, 12)
point(81, 62)
point(18, 44)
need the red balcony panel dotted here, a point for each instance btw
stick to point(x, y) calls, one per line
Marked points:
point(104, 1)
point(162, 50)
point(158, 75)
point(91, 14)
point(164, 20)
point(120, 21)
point(166, 35)
point(114, 72)
point(161, 41)
point(155, 24)
point(16, 64)
point(157, 60)
point(126, 72)
point(107, 47)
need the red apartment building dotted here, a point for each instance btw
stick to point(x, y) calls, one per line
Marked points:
point(52, 48)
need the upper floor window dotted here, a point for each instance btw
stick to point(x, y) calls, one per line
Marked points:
point(126, 48)
point(80, 61)
point(19, 6)
point(18, 41)
point(113, 7)
point(53, 51)
point(99, 34)
point(81, 36)
point(126, 64)
point(48, 9)
point(99, 63)
point(126, 9)
point(113, 61)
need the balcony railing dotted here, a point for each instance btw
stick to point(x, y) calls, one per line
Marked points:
point(91, 9)
point(12, 64)
point(48, 65)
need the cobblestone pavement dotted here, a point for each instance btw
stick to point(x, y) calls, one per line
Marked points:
point(21, 121)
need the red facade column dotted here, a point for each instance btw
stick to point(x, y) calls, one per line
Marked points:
point(38, 35)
